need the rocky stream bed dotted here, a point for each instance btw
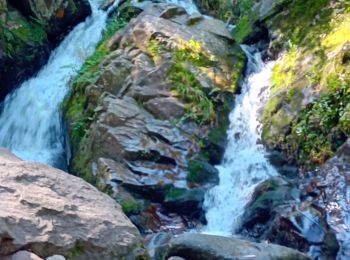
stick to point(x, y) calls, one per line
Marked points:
point(177, 135)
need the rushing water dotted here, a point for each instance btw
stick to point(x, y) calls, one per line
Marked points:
point(30, 121)
point(244, 164)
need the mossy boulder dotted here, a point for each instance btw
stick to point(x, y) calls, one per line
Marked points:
point(201, 172)
point(185, 201)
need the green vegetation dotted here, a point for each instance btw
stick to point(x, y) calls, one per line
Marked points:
point(316, 40)
point(323, 126)
point(174, 193)
point(130, 206)
point(200, 172)
point(19, 34)
point(200, 107)
point(75, 252)
point(77, 113)
point(243, 29)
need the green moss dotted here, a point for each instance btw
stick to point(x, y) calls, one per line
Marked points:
point(199, 106)
point(238, 67)
point(75, 252)
point(75, 106)
point(243, 28)
point(201, 172)
point(130, 206)
point(315, 38)
point(284, 72)
point(344, 121)
point(322, 127)
point(174, 193)
point(20, 33)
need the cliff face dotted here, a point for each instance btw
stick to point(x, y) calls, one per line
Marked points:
point(28, 30)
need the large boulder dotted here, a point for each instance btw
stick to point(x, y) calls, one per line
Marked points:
point(48, 212)
point(192, 246)
point(278, 214)
point(143, 129)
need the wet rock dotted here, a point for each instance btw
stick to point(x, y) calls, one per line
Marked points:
point(266, 198)
point(165, 108)
point(199, 246)
point(143, 135)
point(201, 172)
point(184, 201)
point(71, 215)
point(328, 189)
point(277, 214)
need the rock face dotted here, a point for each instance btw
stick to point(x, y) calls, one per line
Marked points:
point(328, 189)
point(48, 212)
point(280, 214)
point(59, 15)
point(162, 86)
point(28, 30)
point(199, 246)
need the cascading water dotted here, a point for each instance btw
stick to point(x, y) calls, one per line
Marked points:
point(245, 164)
point(30, 121)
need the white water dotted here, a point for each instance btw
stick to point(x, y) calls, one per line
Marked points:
point(244, 164)
point(30, 122)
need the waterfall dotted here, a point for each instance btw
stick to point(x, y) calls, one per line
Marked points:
point(30, 121)
point(245, 164)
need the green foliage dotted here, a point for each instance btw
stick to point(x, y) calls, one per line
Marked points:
point(77, 113)
point(114, 25)
point(174, 193)
point(75, 252)
point(317, 133)
point(200, 107)
point(19, 34)
point(130, 206)
point(243, 28)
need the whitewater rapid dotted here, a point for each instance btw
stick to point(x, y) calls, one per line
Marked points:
point(245, 164)
point(31, 124)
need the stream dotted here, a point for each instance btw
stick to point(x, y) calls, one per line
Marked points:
point(244, 165)
point(31, 123)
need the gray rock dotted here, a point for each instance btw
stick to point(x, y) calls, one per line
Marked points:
point(199, 246)
point(49, 212)
point(165, 108)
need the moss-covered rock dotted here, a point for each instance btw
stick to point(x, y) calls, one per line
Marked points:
point(306, 114)
point(28, 30)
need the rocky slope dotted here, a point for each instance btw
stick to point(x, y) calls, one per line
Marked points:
point(28, 31)
point(47, 211)
point(148, 115)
